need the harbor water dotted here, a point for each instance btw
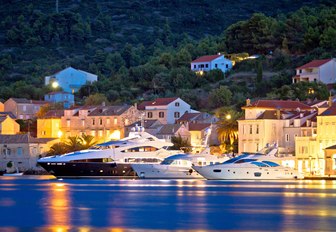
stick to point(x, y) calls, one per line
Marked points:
point(43, 203)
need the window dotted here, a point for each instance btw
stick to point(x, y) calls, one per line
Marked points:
point(216, 65)
point(250, 129)
point(257, 129)
point(115, 121)
point(149, 115)
point(93, 133)
point(126, 121)
point(177, 104)
point(207, 66)
point(108, 121)
point(83, 122)
point(68, 123)
point(161, 114)
point(93, 121)
point(176, 114)
point(19, 150)
point(287, 137)
point(226, 66)
point(100, 133)
point(300, 71)
point(24, 108)
point(194, 65)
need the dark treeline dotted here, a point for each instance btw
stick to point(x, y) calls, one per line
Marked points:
point(142, 62)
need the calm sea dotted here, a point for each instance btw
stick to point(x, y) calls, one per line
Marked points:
point(43, 203)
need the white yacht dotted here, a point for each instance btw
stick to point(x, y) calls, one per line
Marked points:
point(177, 166)
point(248, 166)
point(110, 159)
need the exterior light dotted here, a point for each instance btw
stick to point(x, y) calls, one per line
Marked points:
point(55, 84)
point(228, 116)
point(59, 134)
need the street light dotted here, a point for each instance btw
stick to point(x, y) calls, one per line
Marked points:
point(228, 116)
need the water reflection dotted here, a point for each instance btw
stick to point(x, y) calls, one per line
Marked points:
point(122, 205)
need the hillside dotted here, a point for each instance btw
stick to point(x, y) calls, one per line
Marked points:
point(138, 48)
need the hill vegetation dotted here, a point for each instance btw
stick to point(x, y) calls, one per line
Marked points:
point(142, 49)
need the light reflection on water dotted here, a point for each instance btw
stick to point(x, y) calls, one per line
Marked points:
point(42, 203)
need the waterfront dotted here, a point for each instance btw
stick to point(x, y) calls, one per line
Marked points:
point(39, 203)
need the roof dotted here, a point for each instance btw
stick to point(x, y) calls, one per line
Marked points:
point(188, 116)
point(59, 92)
point(10, 114)
point(54, 114)
point(331, 147)
point(198, 126)
point(22, 138)
point(109, 110)
point(26, 101)
point(157, 102)
point(206, 58)
point(331, 111)
point(2, 118)
point(272, 114)
point(278, 104)
point(314, 64)
point(169, 129)
point(146, 123)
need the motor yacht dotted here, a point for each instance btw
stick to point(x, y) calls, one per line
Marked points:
point(110, 159)
point(177, 166)
point(248, 166)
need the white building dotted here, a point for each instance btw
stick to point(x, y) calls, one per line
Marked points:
point(317, 71)
point(272, 122)
point(207, 63)
point(70, 79)
point(166, 110)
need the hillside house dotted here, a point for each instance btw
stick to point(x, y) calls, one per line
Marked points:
point(23, 108)
point(8, 126)
point(70, 79)
point(67, 99)
point(207, 63)
point(49, 126)
point(317, 71)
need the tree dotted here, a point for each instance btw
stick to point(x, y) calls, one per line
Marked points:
point(87, 141)
point(259, 72)
point(57, 149)
point(180, 143)
point(220, 97)
point(74, 143)
point(96, 99)
point(227, 126)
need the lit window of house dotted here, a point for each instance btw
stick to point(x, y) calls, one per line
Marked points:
point(83, 122)
point(115, 120)
point(100, 133)
point(126, 121)
point(108, 121)
point(93, 133)
point(68, 123)
point(161, 114)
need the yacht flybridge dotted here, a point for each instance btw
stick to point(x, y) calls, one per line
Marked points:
point(110, 159)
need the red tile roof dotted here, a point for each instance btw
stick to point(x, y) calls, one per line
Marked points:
point(198, 126)
point(278, 104)
point(331, 111)
point(157, 102)
point(314, 64)
point(206, 58)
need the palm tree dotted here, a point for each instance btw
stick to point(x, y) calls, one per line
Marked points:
point(180, 143)
point(87, 141)
point(73, 143)
point(227, 126)
point(57, 149)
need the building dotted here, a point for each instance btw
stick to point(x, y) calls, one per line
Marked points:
point(150, 126)
point(166, 110)
point(317, 71)
point(23, 151)
point(102, 122)
point(67, 99)
point(23, 108)
point(272, 122)
point(70, 79)
point(49, 126)
point(199, 133)
point(199, 117)
point(8, 126)
point(207, 63)
point(173, 130)
point(2, 107)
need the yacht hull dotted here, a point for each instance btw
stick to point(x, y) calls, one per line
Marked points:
point(159, 171)
point(245, 173)
point(88, 170)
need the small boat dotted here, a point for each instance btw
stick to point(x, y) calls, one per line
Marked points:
point(248, 166)
point(17, 173)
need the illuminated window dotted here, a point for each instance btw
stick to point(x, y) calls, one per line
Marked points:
point(107, 121)
point(115, 121)
point(83, 122)
point(100, 133)
point(68, 123)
